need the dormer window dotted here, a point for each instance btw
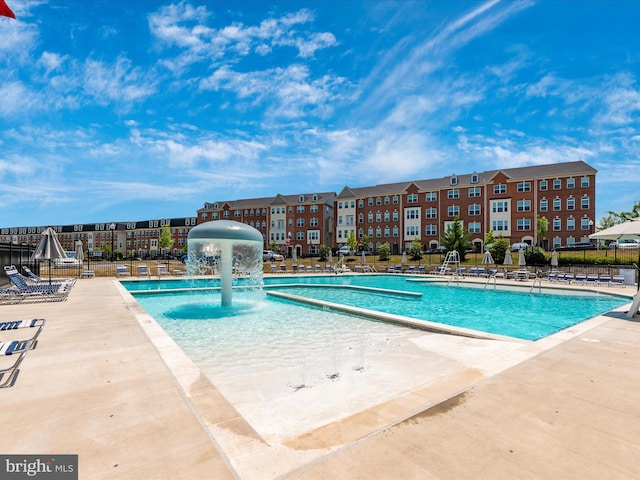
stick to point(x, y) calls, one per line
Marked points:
point(474, 178)
point(454, 180)
point(301, 198)
point(315, 198)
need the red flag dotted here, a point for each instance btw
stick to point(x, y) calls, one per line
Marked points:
point(5, 11)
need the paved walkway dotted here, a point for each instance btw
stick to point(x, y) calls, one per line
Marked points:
point(106, 384)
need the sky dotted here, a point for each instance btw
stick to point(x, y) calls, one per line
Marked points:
point(130, 110)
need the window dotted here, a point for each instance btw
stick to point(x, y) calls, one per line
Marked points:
point(431, 197)
point(524, 205)
point(431, 230)
point(360, 233)
point(453, 211)
point(301, 198)
point(584, 202)
point(571, 182)
point(474, 209)
point(313, 208)
point(454, 180)
point(544, 205)
point(523, 224)
point(412, 230)
point(361, 218)
point(387, 200)
point(395, 216)
point(499, 207)
point(584, 182)
point(557, 204)
point(557, 224)
point(412, 213)
point(584, 224)
point(299, 236)
point(378, 217)
point(557, 242)
point(360, 203)
point(386, 231)
point(571, 223)
point(314, 198)
point(454, 193)
point(387, 216)
point(474, 178)
point(524, 187)
point(474, 227)
point(557, 184)
point(395, 231)
point(370, 201)
point(571, 203)
point(474, 192)
point(378, 232)
point(431, 213)
point(395, 200)
point(499, 188)
point(544, 185)
point(300, 209)
point(379, 200)
point(412, 198)
point(500, 225)
point(370, 217)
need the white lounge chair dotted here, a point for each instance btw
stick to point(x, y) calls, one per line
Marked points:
point(121, 271)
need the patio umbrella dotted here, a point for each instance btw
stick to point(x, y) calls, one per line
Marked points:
point(404, 257)
point(554, 259)
point(522, 262)
point(507, 258)
point(49, 248)
point(363, 257)
point(487, 259)
point(622, 231)
point(294, 256)
point(79, 250)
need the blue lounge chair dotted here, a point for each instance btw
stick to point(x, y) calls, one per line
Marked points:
point(37, 279)
point(21, 284)
point(143, 271)
point(604, 279)
point(121, 271)
point(592, 279)
point(274, 268)
point(617, 280)
point(580, 278)
point(19, 348)
point(318, 268)
point(421, 269)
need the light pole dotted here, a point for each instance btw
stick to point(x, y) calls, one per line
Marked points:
point(113, 227)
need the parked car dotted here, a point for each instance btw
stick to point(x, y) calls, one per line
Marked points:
point(271, 256)
point(362, 252)
point(519, 246)
point(625, 244)
point(578, 246)
point(344, 250)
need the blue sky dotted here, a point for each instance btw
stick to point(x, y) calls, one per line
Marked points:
point(140, 109)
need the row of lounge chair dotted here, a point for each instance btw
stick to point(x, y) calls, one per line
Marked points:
point(33, 288)
point(587, 279)
point(143, 271)
point(12, 350)
point(301, 269)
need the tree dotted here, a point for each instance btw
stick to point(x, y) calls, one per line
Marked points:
point(620, 217)
point(324, 252)
point(498, 249)
point(489, 238)
point(384, 251)
point(351, 241)
point(415, 250)
point(455, 238)
point(365, 243)
point(165, 241)
point(542, 227)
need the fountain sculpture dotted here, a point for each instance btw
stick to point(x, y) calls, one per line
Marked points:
point(225, 247)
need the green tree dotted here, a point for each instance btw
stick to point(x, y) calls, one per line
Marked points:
point(415, 250)
point(542, 227)
point(365, 243)
point(324, 252)
point(165, 241)
point(489, 238)
point(621, 217)
point(498, 249)
point(384, 251)
point(455, 238)
point(273, 246)
point(351, 241)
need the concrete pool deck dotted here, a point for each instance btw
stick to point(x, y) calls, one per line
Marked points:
point(105, 384)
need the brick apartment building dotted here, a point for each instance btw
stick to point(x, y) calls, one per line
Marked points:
point(507, 201)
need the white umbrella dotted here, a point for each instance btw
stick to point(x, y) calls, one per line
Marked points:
point(554, 259)
point(621, 231)
point(507, 258)
point(487, 259)
point(363, 257)
point(294, 256)
point(522, 262)
point(404, 257)
point(49, 248)
point(79, 251)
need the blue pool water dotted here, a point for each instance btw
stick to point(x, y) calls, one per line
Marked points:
point(518, 314)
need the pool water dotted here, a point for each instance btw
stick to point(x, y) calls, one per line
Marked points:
point(519, 314)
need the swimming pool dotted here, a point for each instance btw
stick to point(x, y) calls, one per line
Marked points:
point(519, 314)
point(289, 368)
